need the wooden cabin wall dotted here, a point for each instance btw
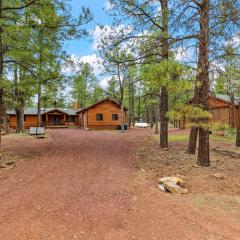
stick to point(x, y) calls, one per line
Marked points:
point(220, 115)
point(220, 111)
point(107, 108)
point(30, 121)
point(213, 102)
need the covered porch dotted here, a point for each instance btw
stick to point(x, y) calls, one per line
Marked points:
point(55, 118)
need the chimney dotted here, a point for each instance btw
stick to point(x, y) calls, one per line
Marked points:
point(75, 106)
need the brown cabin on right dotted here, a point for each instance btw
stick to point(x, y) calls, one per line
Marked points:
point(220, 108)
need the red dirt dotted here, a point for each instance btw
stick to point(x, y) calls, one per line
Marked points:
point(86, 185)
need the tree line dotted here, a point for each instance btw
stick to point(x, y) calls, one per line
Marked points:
point(142, 55)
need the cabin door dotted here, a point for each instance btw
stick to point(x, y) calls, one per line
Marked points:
point(57, 120)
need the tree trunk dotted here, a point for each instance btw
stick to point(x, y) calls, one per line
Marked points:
point(39, 110)
point(156, 122)
point(139, 105)
point(122, 117)
point(192, 142)
point(39, 94)
point(232, 113)
point(164, 118)
point(203, 147)
point(1, 72)
point(129, 105)
point(238, 128)
point(152, 117)
point(19, 120)
point(5, 118)
point(203, 83)
point(164, 91)
point(133, 104)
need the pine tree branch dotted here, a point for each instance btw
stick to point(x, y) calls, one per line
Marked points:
point(20, 7)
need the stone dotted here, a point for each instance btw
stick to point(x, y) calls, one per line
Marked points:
point(195, 166)
point(9, 163)
point(174, 188)
point(220, 133)
point(218, 175)
point(3, 166)
point(181, 176)
point(161, 187)
point(175, 180)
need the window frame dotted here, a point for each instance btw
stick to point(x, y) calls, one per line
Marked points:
point(114, 117)
point(101, 117)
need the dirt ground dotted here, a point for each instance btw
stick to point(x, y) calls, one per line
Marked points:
point(91, 185)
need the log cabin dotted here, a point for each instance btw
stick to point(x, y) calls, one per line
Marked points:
point(105, 114)
point(50, 117)
point(220, 109)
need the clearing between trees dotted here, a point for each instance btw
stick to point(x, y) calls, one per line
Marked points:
point(94, 185)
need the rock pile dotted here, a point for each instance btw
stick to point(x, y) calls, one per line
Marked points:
point(172, 184)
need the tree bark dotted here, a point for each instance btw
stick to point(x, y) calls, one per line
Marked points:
point(39, 94)
point(19, 120)
point(232, 112)
point(139, 105)
point(156, 122)
point(130, 110)
point(203, 147)
point(238, 128)
point(203, 82)
point(1, 72)
point(122, 117)
point(164, 91)
point(39, 110)
point(163, 118)
point(133, 103)
point(192, 142)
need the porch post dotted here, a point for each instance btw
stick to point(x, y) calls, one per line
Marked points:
point(64, 119)
point(46, 119)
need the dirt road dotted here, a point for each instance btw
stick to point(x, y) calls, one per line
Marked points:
point(86, 185)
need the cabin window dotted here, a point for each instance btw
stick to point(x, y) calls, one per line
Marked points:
point(71, 119)
point(25, 117)
point(99, 116)
point(114, 117)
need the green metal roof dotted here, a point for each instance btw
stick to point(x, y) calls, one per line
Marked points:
point(33, 111)
point(226, 98)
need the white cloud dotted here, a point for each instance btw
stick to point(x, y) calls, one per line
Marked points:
point(184, 54)
point(93, 60)
point(108, 6)
point(104, 82)
point(101, 33)
point(235, 41)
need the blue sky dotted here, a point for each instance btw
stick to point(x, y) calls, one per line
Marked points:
point(83, 47)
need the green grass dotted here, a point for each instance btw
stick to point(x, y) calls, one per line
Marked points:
point(183, 137)
point(229, 139)
point(178, 137)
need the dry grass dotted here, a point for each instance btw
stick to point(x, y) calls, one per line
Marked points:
point(204, 189)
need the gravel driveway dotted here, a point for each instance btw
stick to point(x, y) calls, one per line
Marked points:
point(86, 185)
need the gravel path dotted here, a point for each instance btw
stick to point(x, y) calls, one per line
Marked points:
point(85, 185)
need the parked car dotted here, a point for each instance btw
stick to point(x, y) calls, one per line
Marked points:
point(141, 125)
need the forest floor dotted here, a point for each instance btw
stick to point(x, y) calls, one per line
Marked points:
point(91, 185)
